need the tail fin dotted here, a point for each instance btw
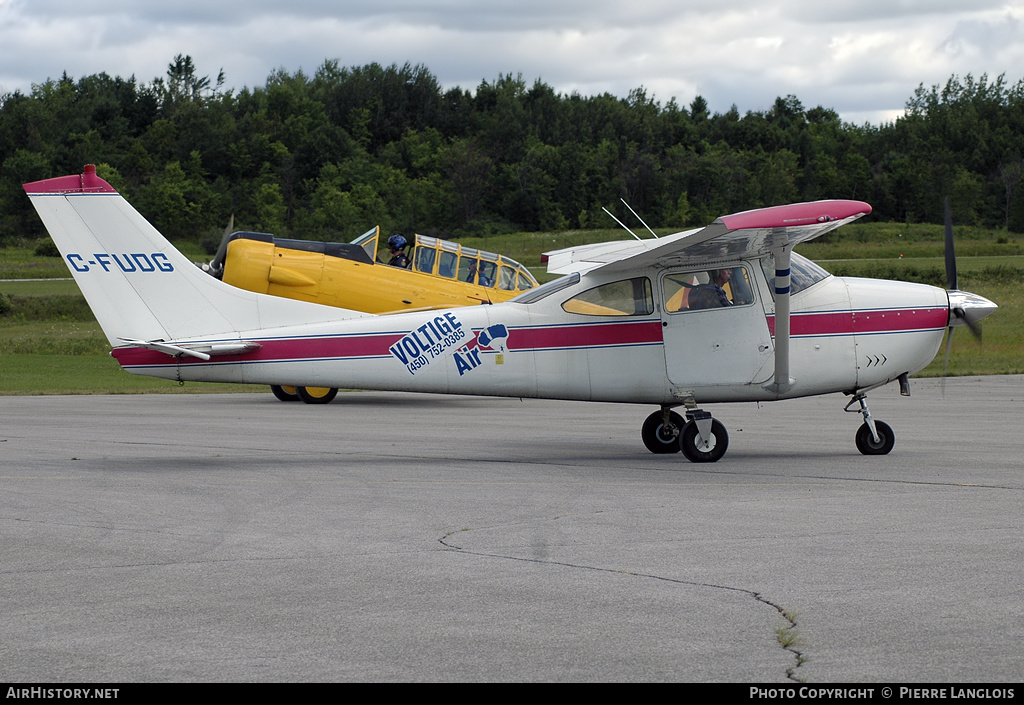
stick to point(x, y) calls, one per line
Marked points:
point(138, 285)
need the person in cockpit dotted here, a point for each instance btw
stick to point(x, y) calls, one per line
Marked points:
point(396, 246)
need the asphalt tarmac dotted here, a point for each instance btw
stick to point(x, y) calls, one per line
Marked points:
point(400, 537)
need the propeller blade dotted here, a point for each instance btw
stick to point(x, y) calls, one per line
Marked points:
point(965, 308)
point(951, 278)
point(222, 251)
point(945, 366)
point(974, 327)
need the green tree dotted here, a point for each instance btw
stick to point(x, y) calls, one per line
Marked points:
point(183, 85)
point(468, 170)
point(179, 202)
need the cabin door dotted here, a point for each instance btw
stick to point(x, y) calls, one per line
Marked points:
point(714, 328)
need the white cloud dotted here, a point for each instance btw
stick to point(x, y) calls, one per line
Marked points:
point(863, 59)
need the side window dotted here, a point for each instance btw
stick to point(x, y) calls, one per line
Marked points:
point(425, 259)
point(525, 282)
point(629, 297)
point(485, 277)
point(447, 264)
point(506, 279)
point(467, 269)
point(706, 288)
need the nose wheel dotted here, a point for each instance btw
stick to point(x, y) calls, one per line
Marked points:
point(873, 437)
point(868, 445)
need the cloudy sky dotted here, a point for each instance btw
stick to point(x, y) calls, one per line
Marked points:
point(863, 58)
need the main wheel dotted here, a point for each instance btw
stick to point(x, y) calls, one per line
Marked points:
point(660, 437)
point(866, 444)
point(316, 395)
point(284, 393)
point(699, 453)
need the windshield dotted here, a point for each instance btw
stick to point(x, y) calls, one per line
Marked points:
point(368, 241)
point(803, 273)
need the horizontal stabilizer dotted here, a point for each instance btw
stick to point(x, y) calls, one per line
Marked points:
point(202, 351)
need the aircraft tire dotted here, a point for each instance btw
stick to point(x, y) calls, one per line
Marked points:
point(317, 395)
point(284, 393)
point(866, 444)
point(660, 438)
point(719, 443)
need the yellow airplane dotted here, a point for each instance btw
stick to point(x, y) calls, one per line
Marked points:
point(439, 274)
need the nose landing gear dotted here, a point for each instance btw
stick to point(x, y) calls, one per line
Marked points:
point(873, 437)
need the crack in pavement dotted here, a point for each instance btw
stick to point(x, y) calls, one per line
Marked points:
point(787, 636)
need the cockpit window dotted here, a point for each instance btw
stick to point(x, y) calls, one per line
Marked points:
point(706, 288)
point(803, 273)
point(629, 297)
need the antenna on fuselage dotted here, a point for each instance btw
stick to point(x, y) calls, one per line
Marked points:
point(639, 218)
point(620, 223)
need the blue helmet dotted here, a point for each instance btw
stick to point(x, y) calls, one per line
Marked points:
point(397, 242)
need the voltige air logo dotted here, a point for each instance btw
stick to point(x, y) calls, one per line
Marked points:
point(136, 262)
point(434, 339)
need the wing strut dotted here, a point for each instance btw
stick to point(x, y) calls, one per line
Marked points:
point(782, 382)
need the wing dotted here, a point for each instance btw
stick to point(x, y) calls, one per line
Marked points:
point(743, 235)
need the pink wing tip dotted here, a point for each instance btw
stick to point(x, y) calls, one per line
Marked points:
point(86, 182)
point(796, 214)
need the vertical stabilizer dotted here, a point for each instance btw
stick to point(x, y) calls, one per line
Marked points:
point(137, 284)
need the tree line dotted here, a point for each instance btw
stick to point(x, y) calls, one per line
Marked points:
point(329, 156)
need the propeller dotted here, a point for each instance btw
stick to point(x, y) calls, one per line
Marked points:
point(964, 308)
point(217, 265)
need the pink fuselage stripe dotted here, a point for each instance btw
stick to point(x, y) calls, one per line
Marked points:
point(600, 335)
point(865, 322)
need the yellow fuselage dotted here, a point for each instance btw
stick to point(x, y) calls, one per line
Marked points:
point(441, 275)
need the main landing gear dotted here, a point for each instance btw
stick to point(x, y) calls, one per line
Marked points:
point(701, 438)
point(873, 437)
point(284, 393)
point(309, 395)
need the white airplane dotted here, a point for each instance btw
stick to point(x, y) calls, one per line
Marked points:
point(651, 321)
